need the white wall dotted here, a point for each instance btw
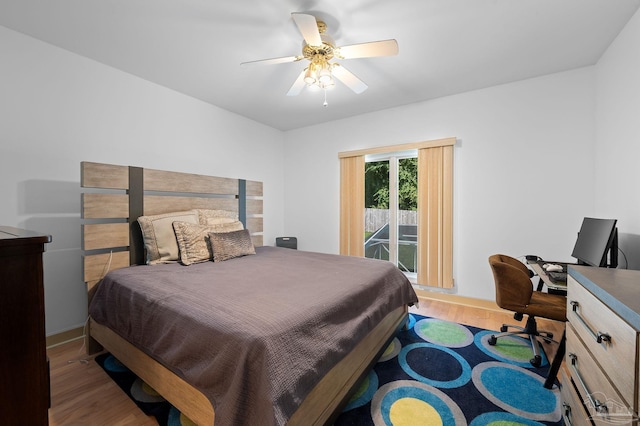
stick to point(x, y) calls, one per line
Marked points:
point(617, 157)
point(533, 157)
point(523, 169)
point(58, 109)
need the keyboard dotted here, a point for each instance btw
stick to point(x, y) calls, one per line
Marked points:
point(562, 264)
point(557, 277)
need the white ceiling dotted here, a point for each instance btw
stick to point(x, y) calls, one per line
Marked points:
point(446, 46)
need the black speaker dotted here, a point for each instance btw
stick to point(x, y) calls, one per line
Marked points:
point(287, 242)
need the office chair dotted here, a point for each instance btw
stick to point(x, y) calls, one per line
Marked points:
point(514, 292)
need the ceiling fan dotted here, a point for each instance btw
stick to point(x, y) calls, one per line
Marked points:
point(319, 49)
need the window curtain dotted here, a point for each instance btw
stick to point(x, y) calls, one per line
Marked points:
point(352, 206)
point(435, 216)
point(435, 207)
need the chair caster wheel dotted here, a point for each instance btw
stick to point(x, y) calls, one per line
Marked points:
point(492, 340)
point(503, 328)
point(536, 361)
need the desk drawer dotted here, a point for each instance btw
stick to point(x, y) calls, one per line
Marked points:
point(608, 338)
point(600, 397)
point(573, 412)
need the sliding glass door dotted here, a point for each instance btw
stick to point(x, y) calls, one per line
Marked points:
point(407, 205)
point(391, 202)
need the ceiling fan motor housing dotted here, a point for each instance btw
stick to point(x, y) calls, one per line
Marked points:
point(326, 49)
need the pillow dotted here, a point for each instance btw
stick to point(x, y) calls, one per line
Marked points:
point(159, 237)
point(192, 244)
point(227, 245)
point(235, 225)
point(212, 217)
point(219, 220)
point(192, 239)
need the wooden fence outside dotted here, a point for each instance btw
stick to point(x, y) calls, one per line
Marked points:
point(374, 219)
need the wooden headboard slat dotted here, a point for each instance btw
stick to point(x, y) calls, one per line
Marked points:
point(157, 180)
point(254, 224)
point(105, 206)
point(108, 176)
point(254, 188)
point(158, 204)
point(254, 207)
point(105, 236)
point(96, 265)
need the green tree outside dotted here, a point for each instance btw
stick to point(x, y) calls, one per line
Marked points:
point(377, 184)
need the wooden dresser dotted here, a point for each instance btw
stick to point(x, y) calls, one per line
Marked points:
point(24, 372)
point(600, 378)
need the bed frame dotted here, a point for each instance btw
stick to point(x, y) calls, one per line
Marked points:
point(112, 200)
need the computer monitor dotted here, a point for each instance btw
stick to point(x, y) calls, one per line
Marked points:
point(597, 243)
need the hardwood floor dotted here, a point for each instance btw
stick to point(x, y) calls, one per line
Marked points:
point(83, 394)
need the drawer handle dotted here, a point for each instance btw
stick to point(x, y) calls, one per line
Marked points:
point(601, 408)
point(598, 336)
point(566, 414)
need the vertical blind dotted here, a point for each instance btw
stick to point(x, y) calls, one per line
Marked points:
point(352, 206)
point(435, 207)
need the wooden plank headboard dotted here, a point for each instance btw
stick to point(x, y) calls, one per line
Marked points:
point(115, 196)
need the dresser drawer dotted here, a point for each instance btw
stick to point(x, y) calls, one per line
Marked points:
point(573, 412)
point(600, 397)
point(608, 338)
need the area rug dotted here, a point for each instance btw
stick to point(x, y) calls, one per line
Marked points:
point(436, 372)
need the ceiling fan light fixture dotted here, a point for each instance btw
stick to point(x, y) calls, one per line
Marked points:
point(324, 76)
point(330, 84)
point(310, 76)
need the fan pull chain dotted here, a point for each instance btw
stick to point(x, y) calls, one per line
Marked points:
point(325, 98)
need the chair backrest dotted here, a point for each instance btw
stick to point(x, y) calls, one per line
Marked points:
point(513, 285)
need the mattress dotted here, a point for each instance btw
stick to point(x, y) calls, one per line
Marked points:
point(256, 333)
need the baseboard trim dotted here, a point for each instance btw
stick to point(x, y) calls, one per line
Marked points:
point(459, 300)
point(65, 336)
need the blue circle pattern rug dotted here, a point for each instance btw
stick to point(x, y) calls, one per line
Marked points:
point(434, 373)
point(443, 373)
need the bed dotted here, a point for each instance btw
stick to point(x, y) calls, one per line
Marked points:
point(286, 335)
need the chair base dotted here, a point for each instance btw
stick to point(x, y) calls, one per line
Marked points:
point(530, 329)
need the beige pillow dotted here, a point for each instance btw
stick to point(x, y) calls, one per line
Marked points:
point(219, 220)
point(212, 217)
point(159, 237)
point(235, 225)
point(227, 245)
point(193, 239)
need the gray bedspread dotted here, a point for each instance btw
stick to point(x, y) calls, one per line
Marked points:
point(254, 334)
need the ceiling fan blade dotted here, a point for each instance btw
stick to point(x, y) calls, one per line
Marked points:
point(297, 86)
point(308, 28)
point(368, 50)
point(272, 61)
point(348, 78)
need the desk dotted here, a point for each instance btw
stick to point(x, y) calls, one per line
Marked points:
point(557, 288)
